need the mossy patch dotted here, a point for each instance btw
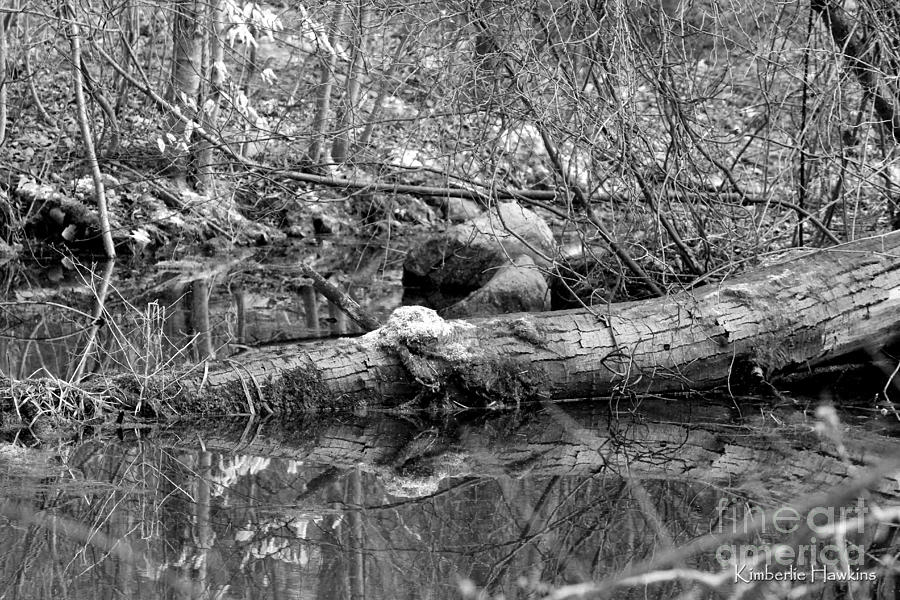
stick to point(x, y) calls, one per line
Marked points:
point(302, 389)
point(445, 360)
point(292, 390)
point(503, 380)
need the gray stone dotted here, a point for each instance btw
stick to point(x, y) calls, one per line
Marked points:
point(465, 257)
point(517, 287)
point(458, 210)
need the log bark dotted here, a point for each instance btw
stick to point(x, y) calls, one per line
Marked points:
point(812, 307)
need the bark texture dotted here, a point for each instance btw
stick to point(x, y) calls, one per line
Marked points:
point(815, 306)
point(185, 85)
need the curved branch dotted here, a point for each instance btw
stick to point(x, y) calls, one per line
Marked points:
point(78, 81)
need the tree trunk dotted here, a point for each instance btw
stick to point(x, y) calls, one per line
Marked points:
point(3, 71)
point(210, 108)
point(84, 124)
point(186, 68)
point(31, 75)
point(383, 91)
point(130, 23)
point(318, 151)
point(815, 307)
point(187, 40)
point(850, 43)
point(347, 112)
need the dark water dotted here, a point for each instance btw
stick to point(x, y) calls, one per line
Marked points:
point(518, 505)
point(615, 498)
point(67, 319)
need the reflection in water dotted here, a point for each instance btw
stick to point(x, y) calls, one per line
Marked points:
point(203, 340)
point(101, 292)
point(310, 307)
point(367, 507)
point(240, 309)
point(105, 319)
point(337, 320)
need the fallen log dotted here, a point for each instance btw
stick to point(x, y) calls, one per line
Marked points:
point(812, 307)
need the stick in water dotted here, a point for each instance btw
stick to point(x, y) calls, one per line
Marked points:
point(340, 299)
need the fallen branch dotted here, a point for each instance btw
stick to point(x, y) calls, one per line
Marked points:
point(343, 301)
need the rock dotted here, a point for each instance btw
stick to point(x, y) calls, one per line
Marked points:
point(463, 259)
point(9, 252)
point(519, 287)
point(325, 223)
point(458, 210)
point(297, 231)
point(413, 210)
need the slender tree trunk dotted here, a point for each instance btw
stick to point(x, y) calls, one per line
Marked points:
point(347, 113)
point(378, 105)
point(100, 294)
point(185, 85)
point(318, 150)
point(203, 340)
point(210, 108)
point(187, 38)
point(310, 309)
point(112, 122)
point(240, 309)
point(3, 77)
point(847, 40)
point(130, 30)
point(247, 75)
point(84, 124)
point(30, 74)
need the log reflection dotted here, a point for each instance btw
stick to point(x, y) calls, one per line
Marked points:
point(369, 507)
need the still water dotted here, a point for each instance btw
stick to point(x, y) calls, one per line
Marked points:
point(531, 504)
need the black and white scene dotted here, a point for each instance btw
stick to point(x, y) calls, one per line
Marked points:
point(449, 300)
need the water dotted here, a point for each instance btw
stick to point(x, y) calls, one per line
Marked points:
point(65, 319)
point(516, 504)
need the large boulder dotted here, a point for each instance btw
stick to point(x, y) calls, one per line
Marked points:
point(465, 257)
point(516, 287)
